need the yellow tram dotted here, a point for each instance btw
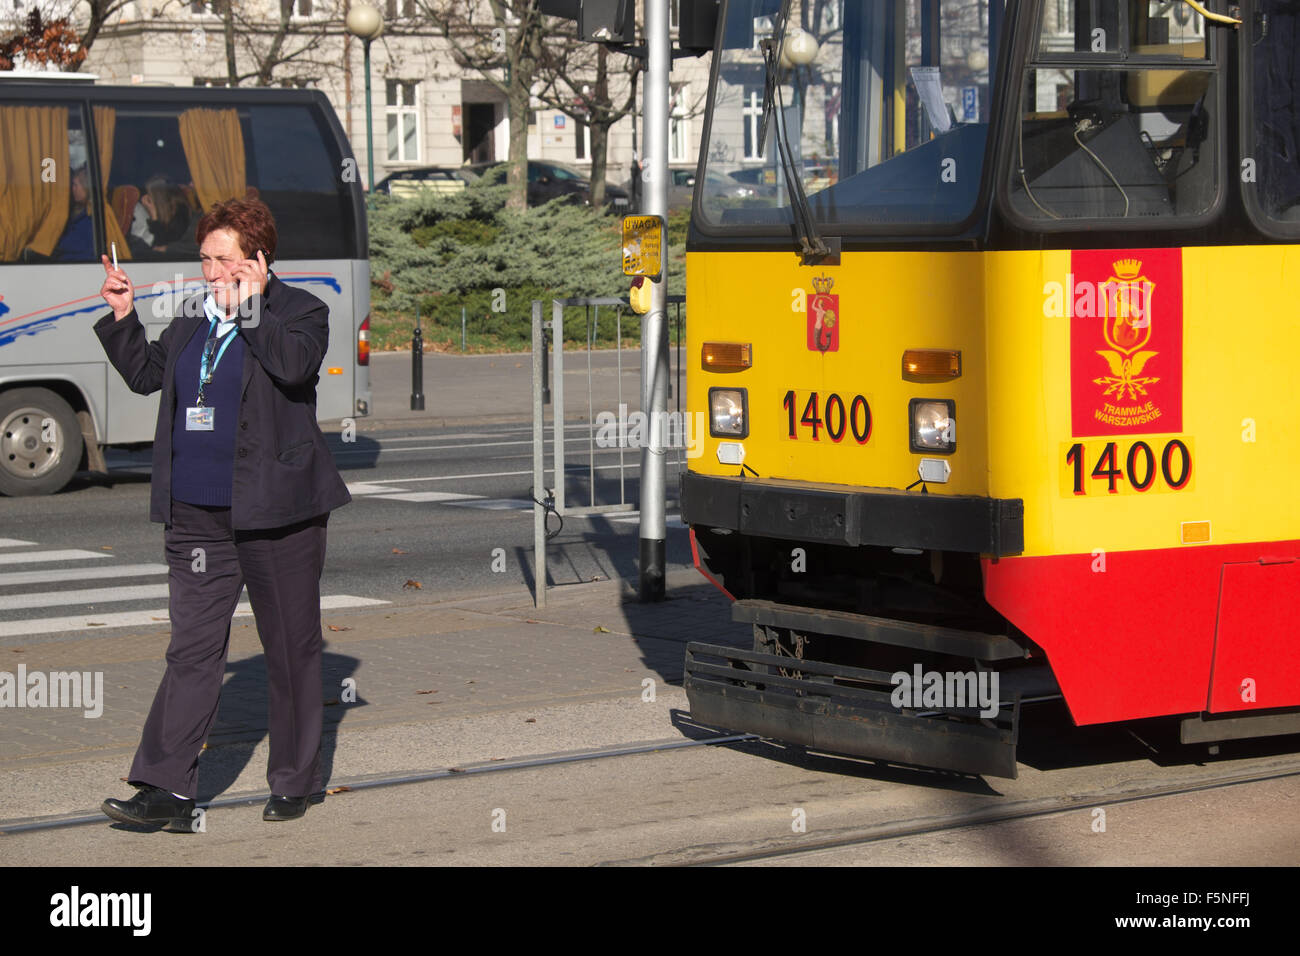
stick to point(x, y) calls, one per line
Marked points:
point(998, 354)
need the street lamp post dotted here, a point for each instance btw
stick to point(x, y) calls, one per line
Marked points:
point(367, 23)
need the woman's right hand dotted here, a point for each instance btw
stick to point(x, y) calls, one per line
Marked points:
point(117, 290)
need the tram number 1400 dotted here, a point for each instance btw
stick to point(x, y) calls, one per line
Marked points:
point(1126, 468)
point(832, 415)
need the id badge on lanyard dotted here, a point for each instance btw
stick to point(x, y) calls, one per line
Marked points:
point(200, 417)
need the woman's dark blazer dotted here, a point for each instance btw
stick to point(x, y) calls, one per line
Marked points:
point(284, 472)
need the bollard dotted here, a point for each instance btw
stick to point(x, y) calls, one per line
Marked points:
point(462, 328)
point(417, 366)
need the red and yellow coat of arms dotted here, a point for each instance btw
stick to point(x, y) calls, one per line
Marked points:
point(823, 316)
point(1126, 346)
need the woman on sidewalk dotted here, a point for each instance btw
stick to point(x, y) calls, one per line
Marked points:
point(244, 484)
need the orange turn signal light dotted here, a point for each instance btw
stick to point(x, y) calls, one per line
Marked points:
point(726, 356)
point(336, 370)
point(931, 364)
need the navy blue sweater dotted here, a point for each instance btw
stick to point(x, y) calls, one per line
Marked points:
point(203, 463)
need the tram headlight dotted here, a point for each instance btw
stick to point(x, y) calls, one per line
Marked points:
point(934, 424)
point(727, 413)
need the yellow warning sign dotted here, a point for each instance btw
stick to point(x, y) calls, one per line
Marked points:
point(643, 244)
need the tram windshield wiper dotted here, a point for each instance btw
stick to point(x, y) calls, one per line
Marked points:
point(812, 248)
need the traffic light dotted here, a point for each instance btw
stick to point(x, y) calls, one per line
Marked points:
point(602, 21)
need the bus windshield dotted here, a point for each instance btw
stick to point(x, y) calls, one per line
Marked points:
point(886, 122)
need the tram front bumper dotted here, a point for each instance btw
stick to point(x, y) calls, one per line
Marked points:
point(847, 515)
point(843, 710)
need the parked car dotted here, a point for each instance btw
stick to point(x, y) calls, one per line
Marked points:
point(409, 182)
point(547, 181)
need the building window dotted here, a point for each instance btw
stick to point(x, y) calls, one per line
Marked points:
point(407, 7)
point(403, 122)
point(296, 9)
point(679, 125)
point(214, 82)
point(212, 8)
point(674, 14)
point(752, 115)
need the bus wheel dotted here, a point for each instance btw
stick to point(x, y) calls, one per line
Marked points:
point(40, 442)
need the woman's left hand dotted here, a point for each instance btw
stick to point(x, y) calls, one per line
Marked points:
point(252, 276)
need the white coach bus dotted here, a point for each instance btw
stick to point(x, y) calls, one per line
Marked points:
point(86, 167)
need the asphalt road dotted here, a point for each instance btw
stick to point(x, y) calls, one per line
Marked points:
point(441, 498)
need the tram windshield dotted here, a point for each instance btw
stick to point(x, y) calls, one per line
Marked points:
point(886, 121)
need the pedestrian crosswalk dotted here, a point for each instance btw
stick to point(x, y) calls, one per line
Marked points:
point(393, 491)
point(35, 582)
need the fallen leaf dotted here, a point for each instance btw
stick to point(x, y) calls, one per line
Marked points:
point(96, 624)
point(600, 630)
point(105, 547)
point(338, 627)
point(331, 703)
point(163, 619)
point(123, 779)
point(400, 551)
point(456, 769)
point(530, 720)
point(17, 650)
point(597, 577)
point(333, 790)
point(426, 692)
point(413, 584)
point(471, 682)
point(498, 758)
point(532, 621)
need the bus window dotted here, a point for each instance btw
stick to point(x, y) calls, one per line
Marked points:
point(1119, 115)
point(167, 165)
point(46, 204)
point(170, 165)
point(298, 171)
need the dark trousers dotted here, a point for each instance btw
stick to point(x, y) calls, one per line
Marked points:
point(282, 569)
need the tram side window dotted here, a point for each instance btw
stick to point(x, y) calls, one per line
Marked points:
point(46, 204)
point(1273, 141)
point(1101, 136)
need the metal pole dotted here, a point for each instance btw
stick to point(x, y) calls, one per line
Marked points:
point(370, 127)
point(557, 406)
point(462, 328)
point(539, 463)
point(417, 366)
point(654, 340)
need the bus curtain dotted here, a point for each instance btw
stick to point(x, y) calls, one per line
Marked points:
point(105, 125)
point(214, 148)
point(35, 191)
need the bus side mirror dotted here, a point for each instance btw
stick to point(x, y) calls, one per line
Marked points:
point(697, 25)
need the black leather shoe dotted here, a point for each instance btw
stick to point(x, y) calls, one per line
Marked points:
point(285, 808)
point(153, 806)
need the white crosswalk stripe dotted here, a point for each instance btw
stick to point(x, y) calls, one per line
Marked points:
point(41, 568)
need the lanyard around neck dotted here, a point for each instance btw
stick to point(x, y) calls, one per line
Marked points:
point(206, 373)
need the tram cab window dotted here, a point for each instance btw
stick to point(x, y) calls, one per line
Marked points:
point(1118, 115)
point(886, 125)
point(1272, 149)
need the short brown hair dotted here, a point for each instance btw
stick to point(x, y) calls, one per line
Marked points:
point(249, 219)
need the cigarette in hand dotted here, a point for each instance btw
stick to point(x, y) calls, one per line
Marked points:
point(115, 255)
